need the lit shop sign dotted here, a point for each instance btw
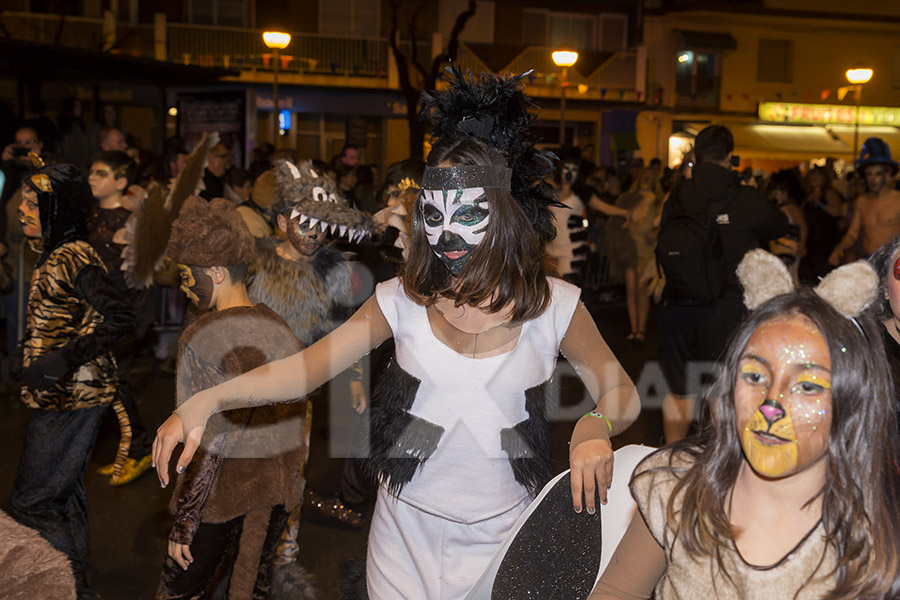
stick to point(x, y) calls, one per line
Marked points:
point(786, 112)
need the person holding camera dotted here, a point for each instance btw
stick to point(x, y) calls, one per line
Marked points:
point(15, 161)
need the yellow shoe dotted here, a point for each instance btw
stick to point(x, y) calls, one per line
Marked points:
point(131, 470)
point(107, 469)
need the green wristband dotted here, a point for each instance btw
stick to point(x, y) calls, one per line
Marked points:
point(600, 416)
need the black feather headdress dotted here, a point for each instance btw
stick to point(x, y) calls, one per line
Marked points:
point(495, 109)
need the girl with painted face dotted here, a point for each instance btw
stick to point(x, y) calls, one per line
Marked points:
point(460, 433)
point(791, 489)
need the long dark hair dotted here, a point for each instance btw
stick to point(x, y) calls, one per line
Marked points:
point(881, 262)
point(859, 515)
point(506, 268)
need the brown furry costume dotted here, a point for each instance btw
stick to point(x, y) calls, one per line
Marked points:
point(251, 461)
point(31, 568)
point(313, 296)
point(246, 463)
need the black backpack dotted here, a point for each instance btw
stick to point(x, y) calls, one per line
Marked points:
point(689, 255)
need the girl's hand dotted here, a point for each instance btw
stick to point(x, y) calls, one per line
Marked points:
point(169, 435)
point(592, 468)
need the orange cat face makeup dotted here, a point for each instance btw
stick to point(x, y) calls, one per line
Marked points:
point(782, 396)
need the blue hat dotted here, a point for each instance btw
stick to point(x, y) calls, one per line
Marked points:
point(875, 152)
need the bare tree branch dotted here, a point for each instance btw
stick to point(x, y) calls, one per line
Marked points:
point(452, 43)
point(407, 62)
point(414, 40)
point(59, 30)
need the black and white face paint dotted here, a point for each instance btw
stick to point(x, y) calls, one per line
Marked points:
point(570, 172)
point(455, 223)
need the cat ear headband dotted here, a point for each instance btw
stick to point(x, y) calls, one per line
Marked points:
point(849, 289)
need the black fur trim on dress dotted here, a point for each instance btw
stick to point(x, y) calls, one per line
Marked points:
point(398, 441)
point(352, 579)
point(529, 444)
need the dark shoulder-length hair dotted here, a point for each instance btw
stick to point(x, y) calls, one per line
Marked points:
point(881, 262)
point(506, 269)
point(862, 489)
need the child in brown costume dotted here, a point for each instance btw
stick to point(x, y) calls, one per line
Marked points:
point(252, 462)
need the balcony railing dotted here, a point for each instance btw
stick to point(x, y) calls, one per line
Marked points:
point(75, 32)
point(307, 54)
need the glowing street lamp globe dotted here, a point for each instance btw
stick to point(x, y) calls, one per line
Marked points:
point(564, 58)
point(277, 39)
point(859, 75)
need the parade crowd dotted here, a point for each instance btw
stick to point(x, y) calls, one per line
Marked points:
point(454, 284)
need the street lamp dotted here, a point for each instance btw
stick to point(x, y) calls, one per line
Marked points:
point(277, 41)
point(858, 76)
point(564, 59)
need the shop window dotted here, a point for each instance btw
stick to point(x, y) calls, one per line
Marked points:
point(774, 61)
point(607, 32)
point(697, 78)
point(224, 13)
point(350, 17)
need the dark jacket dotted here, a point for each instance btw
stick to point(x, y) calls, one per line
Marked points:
point(215, 186)
point(747, 220)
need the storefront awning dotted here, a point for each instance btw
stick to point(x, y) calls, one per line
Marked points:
point(717, 40)
point(755, 140)
point(788, 142)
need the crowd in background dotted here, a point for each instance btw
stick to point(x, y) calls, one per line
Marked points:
point(607, 230)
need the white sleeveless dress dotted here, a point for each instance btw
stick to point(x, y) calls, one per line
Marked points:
point(435, 538)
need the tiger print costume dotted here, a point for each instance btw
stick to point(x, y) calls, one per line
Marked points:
point(74, 316)
point(55, 316)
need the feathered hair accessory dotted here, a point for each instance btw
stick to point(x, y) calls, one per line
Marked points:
point(495, 110)
point(314, 199)
point(849, 289)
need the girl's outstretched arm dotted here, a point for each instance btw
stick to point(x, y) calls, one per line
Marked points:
point(590, 451)
point(279, 381)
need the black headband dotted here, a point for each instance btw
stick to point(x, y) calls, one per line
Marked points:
point(466, 176)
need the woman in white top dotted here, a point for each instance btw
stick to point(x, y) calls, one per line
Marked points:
point(460, 438)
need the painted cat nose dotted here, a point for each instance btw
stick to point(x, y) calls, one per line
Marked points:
point(772, 411)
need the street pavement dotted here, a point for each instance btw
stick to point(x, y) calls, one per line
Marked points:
point(129, 524)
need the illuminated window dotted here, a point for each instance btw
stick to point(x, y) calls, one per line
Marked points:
point(697, 78)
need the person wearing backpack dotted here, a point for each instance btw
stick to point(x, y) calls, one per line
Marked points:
point(709, 222)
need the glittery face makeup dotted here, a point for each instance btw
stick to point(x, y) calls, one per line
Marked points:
point(782, 397)
point(196, 285)
point(29, 213)
point(455, 223)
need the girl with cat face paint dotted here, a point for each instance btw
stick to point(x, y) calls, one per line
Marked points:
point(791, 489)
point(478, 325)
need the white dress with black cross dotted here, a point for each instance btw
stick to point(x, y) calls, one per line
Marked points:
point(460, 443)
